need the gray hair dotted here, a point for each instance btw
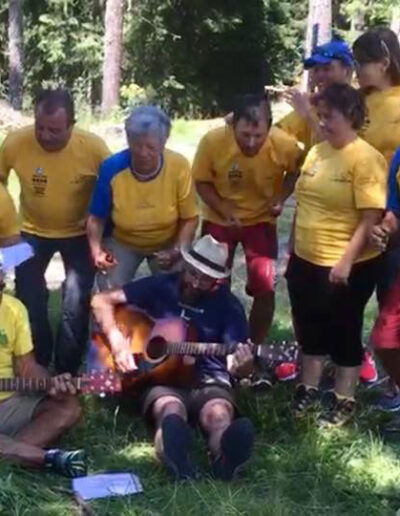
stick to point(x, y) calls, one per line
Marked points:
point(148, 119)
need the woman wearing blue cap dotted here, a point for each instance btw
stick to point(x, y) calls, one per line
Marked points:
point(329, 63)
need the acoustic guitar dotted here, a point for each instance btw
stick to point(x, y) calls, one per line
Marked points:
point(160, 348)
point(100, 383)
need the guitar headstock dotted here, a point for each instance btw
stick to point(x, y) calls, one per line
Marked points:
point(100, 382)
point(277, 352)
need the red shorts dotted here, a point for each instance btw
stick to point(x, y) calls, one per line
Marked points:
point(386, 332)
point(260, 247)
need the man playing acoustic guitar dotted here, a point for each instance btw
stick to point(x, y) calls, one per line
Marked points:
point(30, 423)
point(198, 296)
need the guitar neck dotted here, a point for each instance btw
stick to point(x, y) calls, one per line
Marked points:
point(266, 351)
point(200, 348)
point(28, 384)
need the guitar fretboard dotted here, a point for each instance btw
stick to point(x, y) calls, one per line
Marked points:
point(28, 384)
point(200, 348)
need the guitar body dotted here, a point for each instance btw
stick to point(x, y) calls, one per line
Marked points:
point(142, 330)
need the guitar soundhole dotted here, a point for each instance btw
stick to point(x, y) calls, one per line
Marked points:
point(156, 348)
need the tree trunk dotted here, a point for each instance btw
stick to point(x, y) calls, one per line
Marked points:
point(319, 28)
point(15, 49)
point(112, 55)
point(395, 24)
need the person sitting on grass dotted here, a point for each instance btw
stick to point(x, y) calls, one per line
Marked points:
point(197, 295)
point(30, 423)
point(332, 273)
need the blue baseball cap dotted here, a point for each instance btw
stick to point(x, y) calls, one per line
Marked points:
point(325, 54)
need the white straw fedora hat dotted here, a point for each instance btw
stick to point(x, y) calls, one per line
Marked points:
point(208, 256)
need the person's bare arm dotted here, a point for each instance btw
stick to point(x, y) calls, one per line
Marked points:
point(341, 271)
point(184, 237)
point(380, 233)
point(223, 207)
point(25, 366)
point(11, 240)
point(101, 257)
point(103, 306)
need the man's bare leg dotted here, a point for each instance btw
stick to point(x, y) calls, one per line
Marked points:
point(215, 417)
point(173, 437)
point(21, 453)
point(162, 408)
point(261, 315)
point(50, 420)
point(230, 440)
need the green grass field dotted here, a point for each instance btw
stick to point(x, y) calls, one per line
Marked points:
point(295, 470)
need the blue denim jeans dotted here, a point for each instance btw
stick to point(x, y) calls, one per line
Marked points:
point(31, 289)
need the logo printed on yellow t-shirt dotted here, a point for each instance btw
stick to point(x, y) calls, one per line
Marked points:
point(235, 175)
point(39, 181)
point(3, 339)
point(145, 205)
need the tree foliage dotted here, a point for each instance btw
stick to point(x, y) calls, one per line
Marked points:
point(191, 55)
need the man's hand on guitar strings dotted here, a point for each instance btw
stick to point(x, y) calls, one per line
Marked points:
point(61, 386)
point(121, 352)
point(241, 362)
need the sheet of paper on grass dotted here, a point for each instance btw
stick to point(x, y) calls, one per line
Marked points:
point(14, 255)
point(106, 485)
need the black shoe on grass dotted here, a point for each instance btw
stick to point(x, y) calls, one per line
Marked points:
point(71, 464)
point(177, 445)
point(236, 446)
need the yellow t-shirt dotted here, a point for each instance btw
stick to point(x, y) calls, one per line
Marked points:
point(15, 336)
point(382, 128)
point(299, 128)
point(145, 214)
point(250, 182)
point(334, 185)
point(55, 186)
point(8, 215)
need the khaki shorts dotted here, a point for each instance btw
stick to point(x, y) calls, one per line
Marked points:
point(193, 399)
point(17, 411)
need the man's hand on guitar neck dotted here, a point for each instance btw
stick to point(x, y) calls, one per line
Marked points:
point(62, 386)
point(241, 362)
point(121, 352)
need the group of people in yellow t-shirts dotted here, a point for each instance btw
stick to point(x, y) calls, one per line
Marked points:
point(106, 214)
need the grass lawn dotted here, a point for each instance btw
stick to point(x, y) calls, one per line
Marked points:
point(295, 469)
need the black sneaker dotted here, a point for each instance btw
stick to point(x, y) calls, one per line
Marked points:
point(236, 446)
point(71, 464)
point(337, 412)
point(177, 445)
point(260, 382)
point(305, 399)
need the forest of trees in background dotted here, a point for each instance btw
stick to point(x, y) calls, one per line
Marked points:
point(192, 56)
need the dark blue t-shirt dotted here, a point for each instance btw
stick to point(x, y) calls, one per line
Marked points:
point(216, 317)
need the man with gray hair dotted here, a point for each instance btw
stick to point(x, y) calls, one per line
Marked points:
point(143, 204)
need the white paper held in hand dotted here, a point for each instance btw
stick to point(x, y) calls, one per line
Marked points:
point(14, 255)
